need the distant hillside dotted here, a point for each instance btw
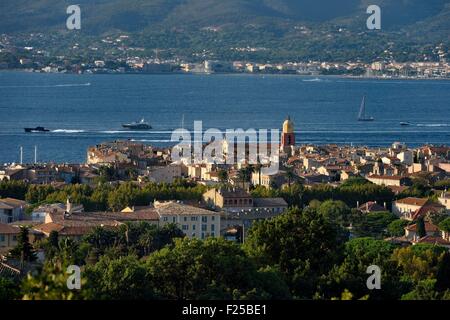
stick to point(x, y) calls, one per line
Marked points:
point(135, 15)
point(282, 29)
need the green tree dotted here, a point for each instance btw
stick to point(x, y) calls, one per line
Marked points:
point(397, 227)
point(101, 238)
point(38, 193)
point(372, 224)
point(13, 189)
point(290, 175)
point(121, 278)
point(243, 176)
point(223, 176)
point(304, 244)
point(443, 273)
point(336, 211)
point(418, 262)
point(211, 269)
point(425, 290)
point(421, 232)
point(359, 254)
point(24, 250)
point(50, 283)
point(445, 225)
point(9, 289)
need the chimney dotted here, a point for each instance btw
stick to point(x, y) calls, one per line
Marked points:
point(68, 206)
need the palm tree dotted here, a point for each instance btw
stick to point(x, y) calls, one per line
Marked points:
point(223, 175)
point(290, 175)
point(243, 175)
point(257, 169)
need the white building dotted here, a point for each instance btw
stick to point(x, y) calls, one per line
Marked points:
point(444, 199)
point(11, 210)
point(194, 222)
point(165, 174)
point(406, 157)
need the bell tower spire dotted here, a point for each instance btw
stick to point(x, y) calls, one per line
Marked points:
point(287, 136)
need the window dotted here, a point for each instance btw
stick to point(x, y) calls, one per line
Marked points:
point(185, 219)
point(165, 219)
point(193, 218)
point(174, 219)
point(204, 227)
point(193, 227)
point(2, 238)
point(213, 218)
point(212, 234)
point(204, 219)
point(185, 227)
point(193, 234)
point(203, 235)
point(212, 227)
point(14, 238)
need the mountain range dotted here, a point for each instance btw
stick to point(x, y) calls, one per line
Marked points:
point(136, 15)
point(264, 23)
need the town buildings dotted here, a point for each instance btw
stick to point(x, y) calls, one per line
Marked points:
point(11, 210)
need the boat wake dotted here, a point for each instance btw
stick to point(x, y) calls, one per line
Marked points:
point(150, 140)
point(67, 131)
point(74, 85)
point(313, 80)
point(433, 125)
point(52, 86)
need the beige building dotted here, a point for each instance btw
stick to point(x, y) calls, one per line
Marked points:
point(268, 180)
point(406, 207)
point(406, 157)
point(411, 208)
point(193, 221)
point(229, 200)
point(11, 210)
point(388, 180)
point(76, 225)
point(8, 236)
point(165, 174)
point(444, 199)
point(430, 229)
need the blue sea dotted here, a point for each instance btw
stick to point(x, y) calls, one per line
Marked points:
point(84, 110)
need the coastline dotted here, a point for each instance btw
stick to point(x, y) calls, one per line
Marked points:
point(233, 74)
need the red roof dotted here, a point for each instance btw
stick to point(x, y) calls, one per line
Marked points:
point(8, 229)
point(434, 240)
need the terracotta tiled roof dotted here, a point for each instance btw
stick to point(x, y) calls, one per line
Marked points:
point(235, 194)
point(375, 176)
point(173, 208)
point(413, 201)
point(15, 203)
point(8, 229)
point(269, 202)
point(371, 206)
point(434, 240)
point(427, 208)
point(429, 227)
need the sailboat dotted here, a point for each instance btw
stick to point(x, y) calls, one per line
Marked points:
point(362, 111)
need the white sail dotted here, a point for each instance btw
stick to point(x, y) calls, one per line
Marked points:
point(362, 109)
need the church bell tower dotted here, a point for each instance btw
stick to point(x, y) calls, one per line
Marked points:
point(287, 136)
